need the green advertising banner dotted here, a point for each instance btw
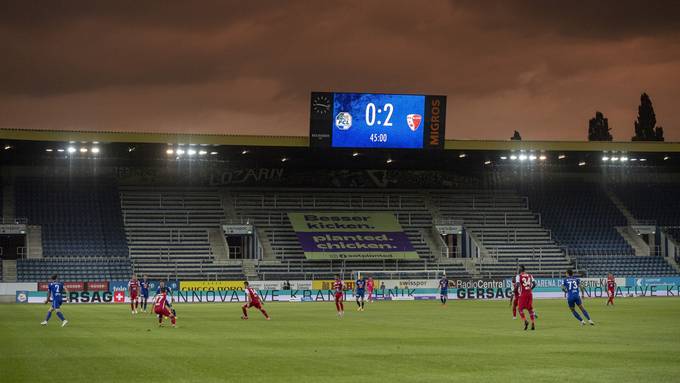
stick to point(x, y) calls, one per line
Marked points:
point(351, 235)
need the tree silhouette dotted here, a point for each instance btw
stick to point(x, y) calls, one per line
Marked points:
point(645, 126)
point(598, 128)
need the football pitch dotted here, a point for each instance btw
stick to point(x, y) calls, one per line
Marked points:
point(399, 341)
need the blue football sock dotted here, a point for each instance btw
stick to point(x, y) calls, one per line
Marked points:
point(60, 315)
point(585, 313)
point(577, 316)
point(49, 314)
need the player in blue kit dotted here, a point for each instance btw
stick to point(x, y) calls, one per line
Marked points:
point(359, 292)
point(54, 293)
point(443, 289)
point(572, 287)
point(144, 286)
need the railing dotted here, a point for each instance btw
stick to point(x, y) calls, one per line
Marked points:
point(441, 247)
point(455, 221)
point(276, 201)
point(506, 216)
point(598, 252)
point(14, 220)
point(81, 259)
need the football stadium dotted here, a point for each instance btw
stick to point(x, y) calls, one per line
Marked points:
point(378, 247)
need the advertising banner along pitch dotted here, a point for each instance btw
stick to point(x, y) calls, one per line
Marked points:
point(351, 235)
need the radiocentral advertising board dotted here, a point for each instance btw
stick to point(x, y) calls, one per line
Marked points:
point(351, 235)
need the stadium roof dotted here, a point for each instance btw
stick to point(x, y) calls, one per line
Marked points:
point(298, 141)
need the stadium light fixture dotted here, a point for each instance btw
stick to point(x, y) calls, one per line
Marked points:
point(513, 157)
point(83, 150)
point(613, 159)
point(522, 157)
point(60, 150)
point(389, 161)
point(95, 150)
point(623, 159)
point(95, 142)
point(8, 147)
point(582, 163)
point(643, 159)
point(179, 151)
point(355, 154)
point(202, 152)
point(131, 149)
point(462, 155)
point(245, 151)
point(605, 158)
point(191, 152)
point(666, 158)
point(169, 152)
point(487, 162)
point(71, 149)
point(561, 157)
point(213, 153)
point(532, 157)
point(542, 157)
point(633, 159)
point(504, 157)
point(284, 159)
point(48, 150)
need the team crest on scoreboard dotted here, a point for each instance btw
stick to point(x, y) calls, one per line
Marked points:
point(413, 121)
point(343, 121)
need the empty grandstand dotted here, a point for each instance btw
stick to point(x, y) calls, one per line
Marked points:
point(105, 222)
point(81, 226)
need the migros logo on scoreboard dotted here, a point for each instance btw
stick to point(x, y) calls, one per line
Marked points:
point(435, 128)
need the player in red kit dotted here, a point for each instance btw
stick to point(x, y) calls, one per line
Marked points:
point(611, 289)
point(252, 300)
point(133, 289)
point(369, 287)
point(525, 284)
point(160, 307)
point(514, 299)
point(339, 288)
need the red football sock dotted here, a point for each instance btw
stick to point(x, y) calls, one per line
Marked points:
point(160, 319)
point(172, 319)
point(342, 306)
point(265, 313)
point(136, 304)
point(532, 316)
point(521, 315)
point(132, 306)
point(245, 311)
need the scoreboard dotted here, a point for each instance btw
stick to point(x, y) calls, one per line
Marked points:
point(381, 121)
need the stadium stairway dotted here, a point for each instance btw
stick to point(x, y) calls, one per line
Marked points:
point(510, 234)
point(7, 206)
point(8, 270)
point(168, 233)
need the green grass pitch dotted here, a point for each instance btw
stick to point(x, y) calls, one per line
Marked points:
point(404, 341)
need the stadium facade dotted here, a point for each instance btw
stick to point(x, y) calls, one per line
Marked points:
point(99, 206)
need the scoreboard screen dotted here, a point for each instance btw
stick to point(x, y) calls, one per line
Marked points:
point(382, 121)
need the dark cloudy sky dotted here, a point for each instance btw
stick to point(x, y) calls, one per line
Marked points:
point(247, 67)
